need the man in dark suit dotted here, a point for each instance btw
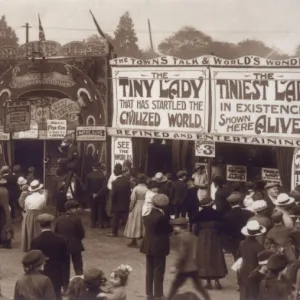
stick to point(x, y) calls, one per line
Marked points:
point(55, 249)
point(97, 191)
point(120, 197)
point(156, 246)
point(70, 227)
point(179, 194)
point(222, 192)
point(235, 219)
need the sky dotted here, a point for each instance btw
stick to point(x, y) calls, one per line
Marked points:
point(274, 22)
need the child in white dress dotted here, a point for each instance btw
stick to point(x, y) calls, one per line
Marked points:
point(118, 281)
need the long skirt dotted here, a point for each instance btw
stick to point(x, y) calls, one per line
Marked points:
point(134, 227)
point(209, 255)
point(30, 229)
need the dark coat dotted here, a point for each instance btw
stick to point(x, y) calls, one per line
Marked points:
point(209, 251)
point(248, 251)
point(34, 286)
point(179, 192)
point(70, 227)
point(235, 220)
point(166, 189)
point(192, 203)
point(13, 188)
point(96, 184)
point(156, 241)
point(271, 288)
point(253, 284)
point(55, 248)
point(120, 194)
point(271, 205)
point(6, 227)
point(222, 205)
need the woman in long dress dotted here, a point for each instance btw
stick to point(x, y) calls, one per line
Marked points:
point(209, 253)
point(34, 203)
point(134, 228)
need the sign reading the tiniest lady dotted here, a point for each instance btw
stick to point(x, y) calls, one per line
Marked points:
point(256, 102)
point(161, 98)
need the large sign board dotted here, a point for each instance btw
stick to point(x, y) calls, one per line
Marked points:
point(17, 116)
point(256, 102)
point(161, 98)
point(121, 151)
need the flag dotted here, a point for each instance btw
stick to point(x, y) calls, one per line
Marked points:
point(41, 31)
point(110, 46)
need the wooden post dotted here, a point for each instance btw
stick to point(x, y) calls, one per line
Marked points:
point(44, 162)
point(209, 175)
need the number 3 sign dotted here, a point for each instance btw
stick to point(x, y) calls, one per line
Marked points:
point(205, 149)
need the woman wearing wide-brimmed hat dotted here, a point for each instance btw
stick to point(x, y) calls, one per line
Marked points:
point(209, 251)
point(248, 251)
point(34, 203)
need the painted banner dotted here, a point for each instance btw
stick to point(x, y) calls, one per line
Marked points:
point(161, 98)
point(90, 133)
point(121, 151)
point(236, 173)
point(268, 174)
point(56, 129)
point(256, 102)
point(17, 116)
point(205, 148)
point(32, 133)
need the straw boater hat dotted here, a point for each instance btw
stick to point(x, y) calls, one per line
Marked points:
point(270, 185)
point(259, 205)
point(283, 200)
point(160, 177)
point(3, 181)
point(22, 181)
point(35, 186)
point(253, 229)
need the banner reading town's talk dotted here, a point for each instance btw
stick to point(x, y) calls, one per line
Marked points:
point(161, 98)
point(256, 102)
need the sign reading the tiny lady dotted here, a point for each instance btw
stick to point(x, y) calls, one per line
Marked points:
point(256, 102)
point(90, 133)
point(236, 173)
point(17, 116)
point(161, 98)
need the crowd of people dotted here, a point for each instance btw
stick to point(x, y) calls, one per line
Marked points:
point(254, 222)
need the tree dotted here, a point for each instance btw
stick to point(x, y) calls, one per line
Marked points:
point(126, 41)
point(7, 34)
point(186, 43)
point(149, 54)
point(255, 47)
point(223, 49)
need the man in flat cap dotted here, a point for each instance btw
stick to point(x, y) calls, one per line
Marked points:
point(71, 228)
point(96, 187)
point(55, 248)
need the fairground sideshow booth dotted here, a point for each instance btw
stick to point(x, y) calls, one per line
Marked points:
point(55, 92)
point(239, 117)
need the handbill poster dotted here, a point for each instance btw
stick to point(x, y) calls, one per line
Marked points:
point(236, 173)
point(161, 98)
point(56, 129)
point(205, 148)
point(256, 102)
point(268, 174)
point(90, 133)
point(122, 150)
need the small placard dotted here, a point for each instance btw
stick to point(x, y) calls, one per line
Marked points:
point(90, 133)
point(56, 129)
point(236, 173)
point(205, 148)
point(268, 174)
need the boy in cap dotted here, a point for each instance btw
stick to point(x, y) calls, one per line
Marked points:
point(55, 248)
point(70, 227)
point(34, 285)
point(156, 246)
point(186, 265)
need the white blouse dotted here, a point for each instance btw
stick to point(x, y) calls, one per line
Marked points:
point(35, 201)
